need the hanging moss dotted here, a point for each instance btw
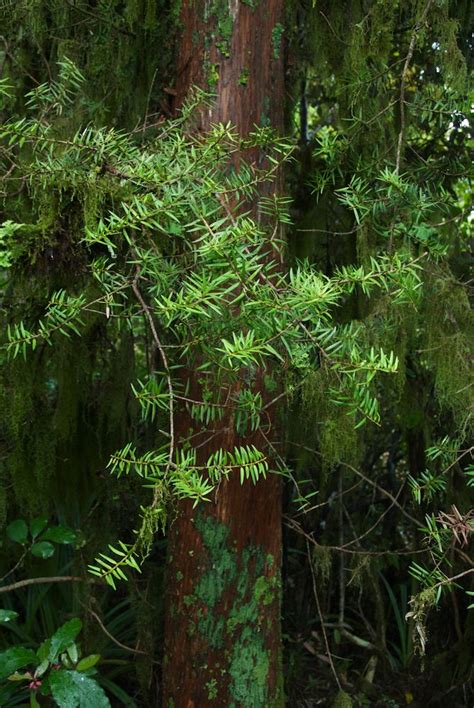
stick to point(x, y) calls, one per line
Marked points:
point(447, 348)
point(123, 48)
point(322, 562)
point(326, 424)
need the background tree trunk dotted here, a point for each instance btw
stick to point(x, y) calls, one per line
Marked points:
point(222, 618)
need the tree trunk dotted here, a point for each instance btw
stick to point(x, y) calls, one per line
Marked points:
point(222, 618)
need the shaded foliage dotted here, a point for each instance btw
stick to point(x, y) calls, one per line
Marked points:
point(378, 235)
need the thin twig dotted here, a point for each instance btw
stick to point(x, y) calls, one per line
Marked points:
point(112, 638)
point(447, 581)
point(374, 525)
point(145, 120)
point(332, 29)
point(321, 619)
point(17, 565)
point(342, 579)
point(403, 82)
point(296, 526)
point(148, 315)
point(360, 474)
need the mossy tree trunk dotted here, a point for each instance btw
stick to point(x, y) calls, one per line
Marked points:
point(222, 619)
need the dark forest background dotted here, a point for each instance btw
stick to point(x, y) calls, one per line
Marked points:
point(377, 517)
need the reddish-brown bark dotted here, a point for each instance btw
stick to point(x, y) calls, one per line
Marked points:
point(222, 619)
point(250, 88)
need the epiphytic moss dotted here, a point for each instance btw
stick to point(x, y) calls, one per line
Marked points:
point(211, 689)
point(244, 77)
point(277, 34)
point(219, 9)
point(213, 74)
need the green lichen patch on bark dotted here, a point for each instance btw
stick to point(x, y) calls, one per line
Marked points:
point(228, 610)
point(277, 34)
point(219, 9)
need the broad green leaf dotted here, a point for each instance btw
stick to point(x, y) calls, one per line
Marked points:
point(41, 668)
point(88, 662)
point(63, 637)
point(42, 549)
point(15, 658)
point(59, 534)
point(72, 689)
point(17, 676)
point(7, 616)
point(18, 531)
point(72, 652)
point(38, 525)
point(43, 650)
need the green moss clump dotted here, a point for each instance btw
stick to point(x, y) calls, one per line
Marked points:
point(327, 425)
point(342, 700)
